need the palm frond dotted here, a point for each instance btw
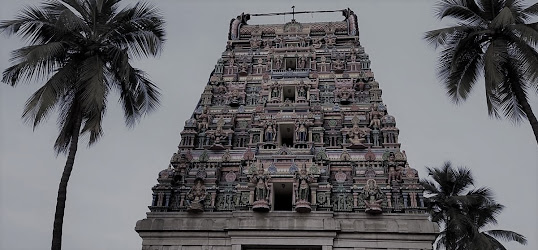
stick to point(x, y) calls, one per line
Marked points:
point(530, 11)
point(507, 236)
point(92, 83)
point(503, 19)
point(513, 81)
point(527, 58)
point(495, 57)
point(93, 123)
point(69, 112)
point(32, 24)
point(45, 98)
point(526, 32)
point(140, 29)
point(459, 67)
point(459, 11)
point(34, 62)
point(490, 8)
point(441, 37)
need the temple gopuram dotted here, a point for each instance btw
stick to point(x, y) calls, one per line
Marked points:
point(289, 147)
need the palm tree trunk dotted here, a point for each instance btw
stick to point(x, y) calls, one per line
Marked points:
point(62, 189)
point(522, 99)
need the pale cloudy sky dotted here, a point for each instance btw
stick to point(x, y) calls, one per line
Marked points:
point(110, 187)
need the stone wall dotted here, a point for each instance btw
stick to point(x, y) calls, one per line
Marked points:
point(326, 230)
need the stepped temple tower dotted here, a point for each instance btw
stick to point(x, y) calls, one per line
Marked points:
point(289, 147)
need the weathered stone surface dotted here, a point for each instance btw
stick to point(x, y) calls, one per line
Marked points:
point(341, 230)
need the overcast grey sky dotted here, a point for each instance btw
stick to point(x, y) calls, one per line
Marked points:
point(110, 187)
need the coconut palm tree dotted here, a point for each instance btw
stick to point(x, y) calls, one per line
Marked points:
point(80, 50)
point(463, 212)
point(493, 38)
point(482, 213)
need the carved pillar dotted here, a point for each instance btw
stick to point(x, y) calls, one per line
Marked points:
point(167, 200)
point(376, 138)
point(421, 199)
point(313, 195)
point(413, 197)
point(213, 196)
point(182, 201)
point(154, 200)
point(389, 200)
point(160, 199)
point(293, 194)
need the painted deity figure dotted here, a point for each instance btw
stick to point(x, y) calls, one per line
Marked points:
point(300, 131)
point(330, 40)
point(357, 134)
point(278, 63)
point(261, 192)
point(203, 125)
point(274, 92)
point(303, 189)
point(302, 62)
point(373, 195)
point(338, 64)
point(301, 92)
point(270, 134)
point(302, 41)
point(317, 43)
point(395, 170)
point(235, 96)
point(244, 67)
point(196, 195)
point(375, 117)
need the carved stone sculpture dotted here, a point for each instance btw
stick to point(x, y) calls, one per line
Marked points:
point(303, 180)
point(261, 191)
point(373, 197)
point(196, 196)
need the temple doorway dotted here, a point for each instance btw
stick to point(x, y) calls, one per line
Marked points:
point(282, 196)
point(286, 134)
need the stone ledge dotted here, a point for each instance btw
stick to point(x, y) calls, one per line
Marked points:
point(290, 221)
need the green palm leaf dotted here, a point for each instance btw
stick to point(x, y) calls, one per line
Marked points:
point(491, 38)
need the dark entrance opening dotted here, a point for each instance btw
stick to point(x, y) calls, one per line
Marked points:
point(290, 63)
point(282, 196)
point(286, 134)
point(289, 93)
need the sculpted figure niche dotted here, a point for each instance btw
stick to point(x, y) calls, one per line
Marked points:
point(196, 196)
point(261, 191)
point(300, 132)
point(373, 197)
point(302, 194)
point(375, 117)
point(270, 133)
point(394, 169)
